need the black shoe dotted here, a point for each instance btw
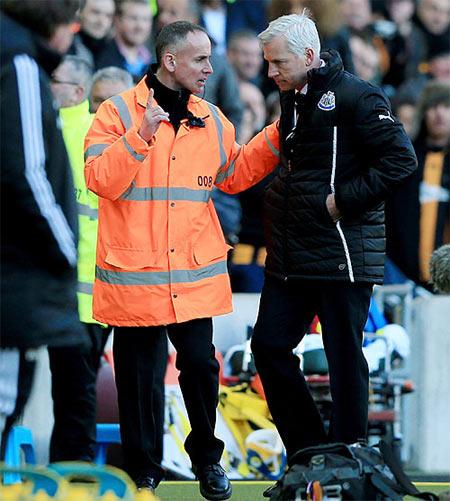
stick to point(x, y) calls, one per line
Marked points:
point(270, 490)
point(145, 483)
point(214, 484)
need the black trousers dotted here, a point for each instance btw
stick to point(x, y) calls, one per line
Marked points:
point(74, 375)
point(286, 311)
point(140, 357)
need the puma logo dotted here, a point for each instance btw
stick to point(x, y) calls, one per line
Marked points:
point(387, 117)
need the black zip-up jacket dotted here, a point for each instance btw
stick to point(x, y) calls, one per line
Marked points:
point(38, 212)
point(346, 142)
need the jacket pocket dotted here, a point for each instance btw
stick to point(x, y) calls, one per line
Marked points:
point(210, 251)
point(131, 259)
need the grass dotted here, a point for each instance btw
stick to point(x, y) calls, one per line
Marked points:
point(251, 491)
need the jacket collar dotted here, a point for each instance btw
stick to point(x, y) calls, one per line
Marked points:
point(142, 91)
point(321, 78)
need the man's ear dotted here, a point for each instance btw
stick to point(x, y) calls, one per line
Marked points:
point(309, 57)
point(80, 93)
point(169, 62)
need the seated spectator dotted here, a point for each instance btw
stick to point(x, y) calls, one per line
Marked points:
point(366, 58)
point(334, 34)
point(418, 215)
point(108, 82)
point(96, 18)
point(437, 69)
point(404, 106)
point(133, 24)
point(358, 16)
point(433, 19)
point(273, 107)
point(245, 55)
point(407, 45)
point(254, 116)
point(223, 18)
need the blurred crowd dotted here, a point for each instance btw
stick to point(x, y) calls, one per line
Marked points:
point(401, 45)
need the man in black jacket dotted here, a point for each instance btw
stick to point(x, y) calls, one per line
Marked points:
point(342, 151)
point(38, 213)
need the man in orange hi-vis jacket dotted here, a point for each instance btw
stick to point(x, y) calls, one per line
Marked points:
point(153, 154)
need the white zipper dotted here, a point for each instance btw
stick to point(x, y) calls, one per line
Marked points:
point(338, 224)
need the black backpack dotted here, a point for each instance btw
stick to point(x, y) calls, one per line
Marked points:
point(347, 472)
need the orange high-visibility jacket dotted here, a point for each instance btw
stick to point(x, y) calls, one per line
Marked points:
point(161, 254)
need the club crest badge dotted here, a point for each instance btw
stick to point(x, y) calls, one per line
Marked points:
point(327, 101)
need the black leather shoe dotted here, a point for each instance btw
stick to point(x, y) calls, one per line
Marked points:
point(145, 483)
point(214, 484)
point(271, 490)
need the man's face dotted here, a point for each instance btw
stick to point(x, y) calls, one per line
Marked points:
point(103, 90)
point(97, 17)
point(437, 119)
point(66, 91)
point(356, 13)
point(246, 58)
point(287, 69)
point(134, 24)
point(435, 15)
point(170, 11)
point(440, 68)
point(62, 38)
point(192, 62)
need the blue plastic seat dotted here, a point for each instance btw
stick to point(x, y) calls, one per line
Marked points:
point(20, 439)
point(107, 433)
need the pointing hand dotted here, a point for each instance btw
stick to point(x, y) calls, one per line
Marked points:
point(153, 117)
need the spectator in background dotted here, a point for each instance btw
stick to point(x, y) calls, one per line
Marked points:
point(254, 117)
point(132, 24)
point(366, 58)
point(245, 55)
point(407, 47)
point(277, 8)
point(38, 213)
point(222, 86)
point(418, 215)
point(433, 19)
point(222, 18)
point(74, 369)
point(358, 16)
point(404, 105)
point(96, 18)
point(108, 82)
point(333, 33)
point(437, 69)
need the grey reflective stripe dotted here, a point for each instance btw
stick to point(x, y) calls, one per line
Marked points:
point(271, 146)
point(123, 111)
point(160, 277)
point(219, 127)
point(135, 155)
point(85, 210)
point(85, 287)
point(143, 194)
point(94, 150)
point(221, 176)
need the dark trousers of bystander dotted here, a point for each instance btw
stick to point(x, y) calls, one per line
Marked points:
point(140, 357)
point(74, 375)
point(285, 313)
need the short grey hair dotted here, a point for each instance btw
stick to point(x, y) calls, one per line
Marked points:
point(299, 30)
point(113, 74)
point(80, 71)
